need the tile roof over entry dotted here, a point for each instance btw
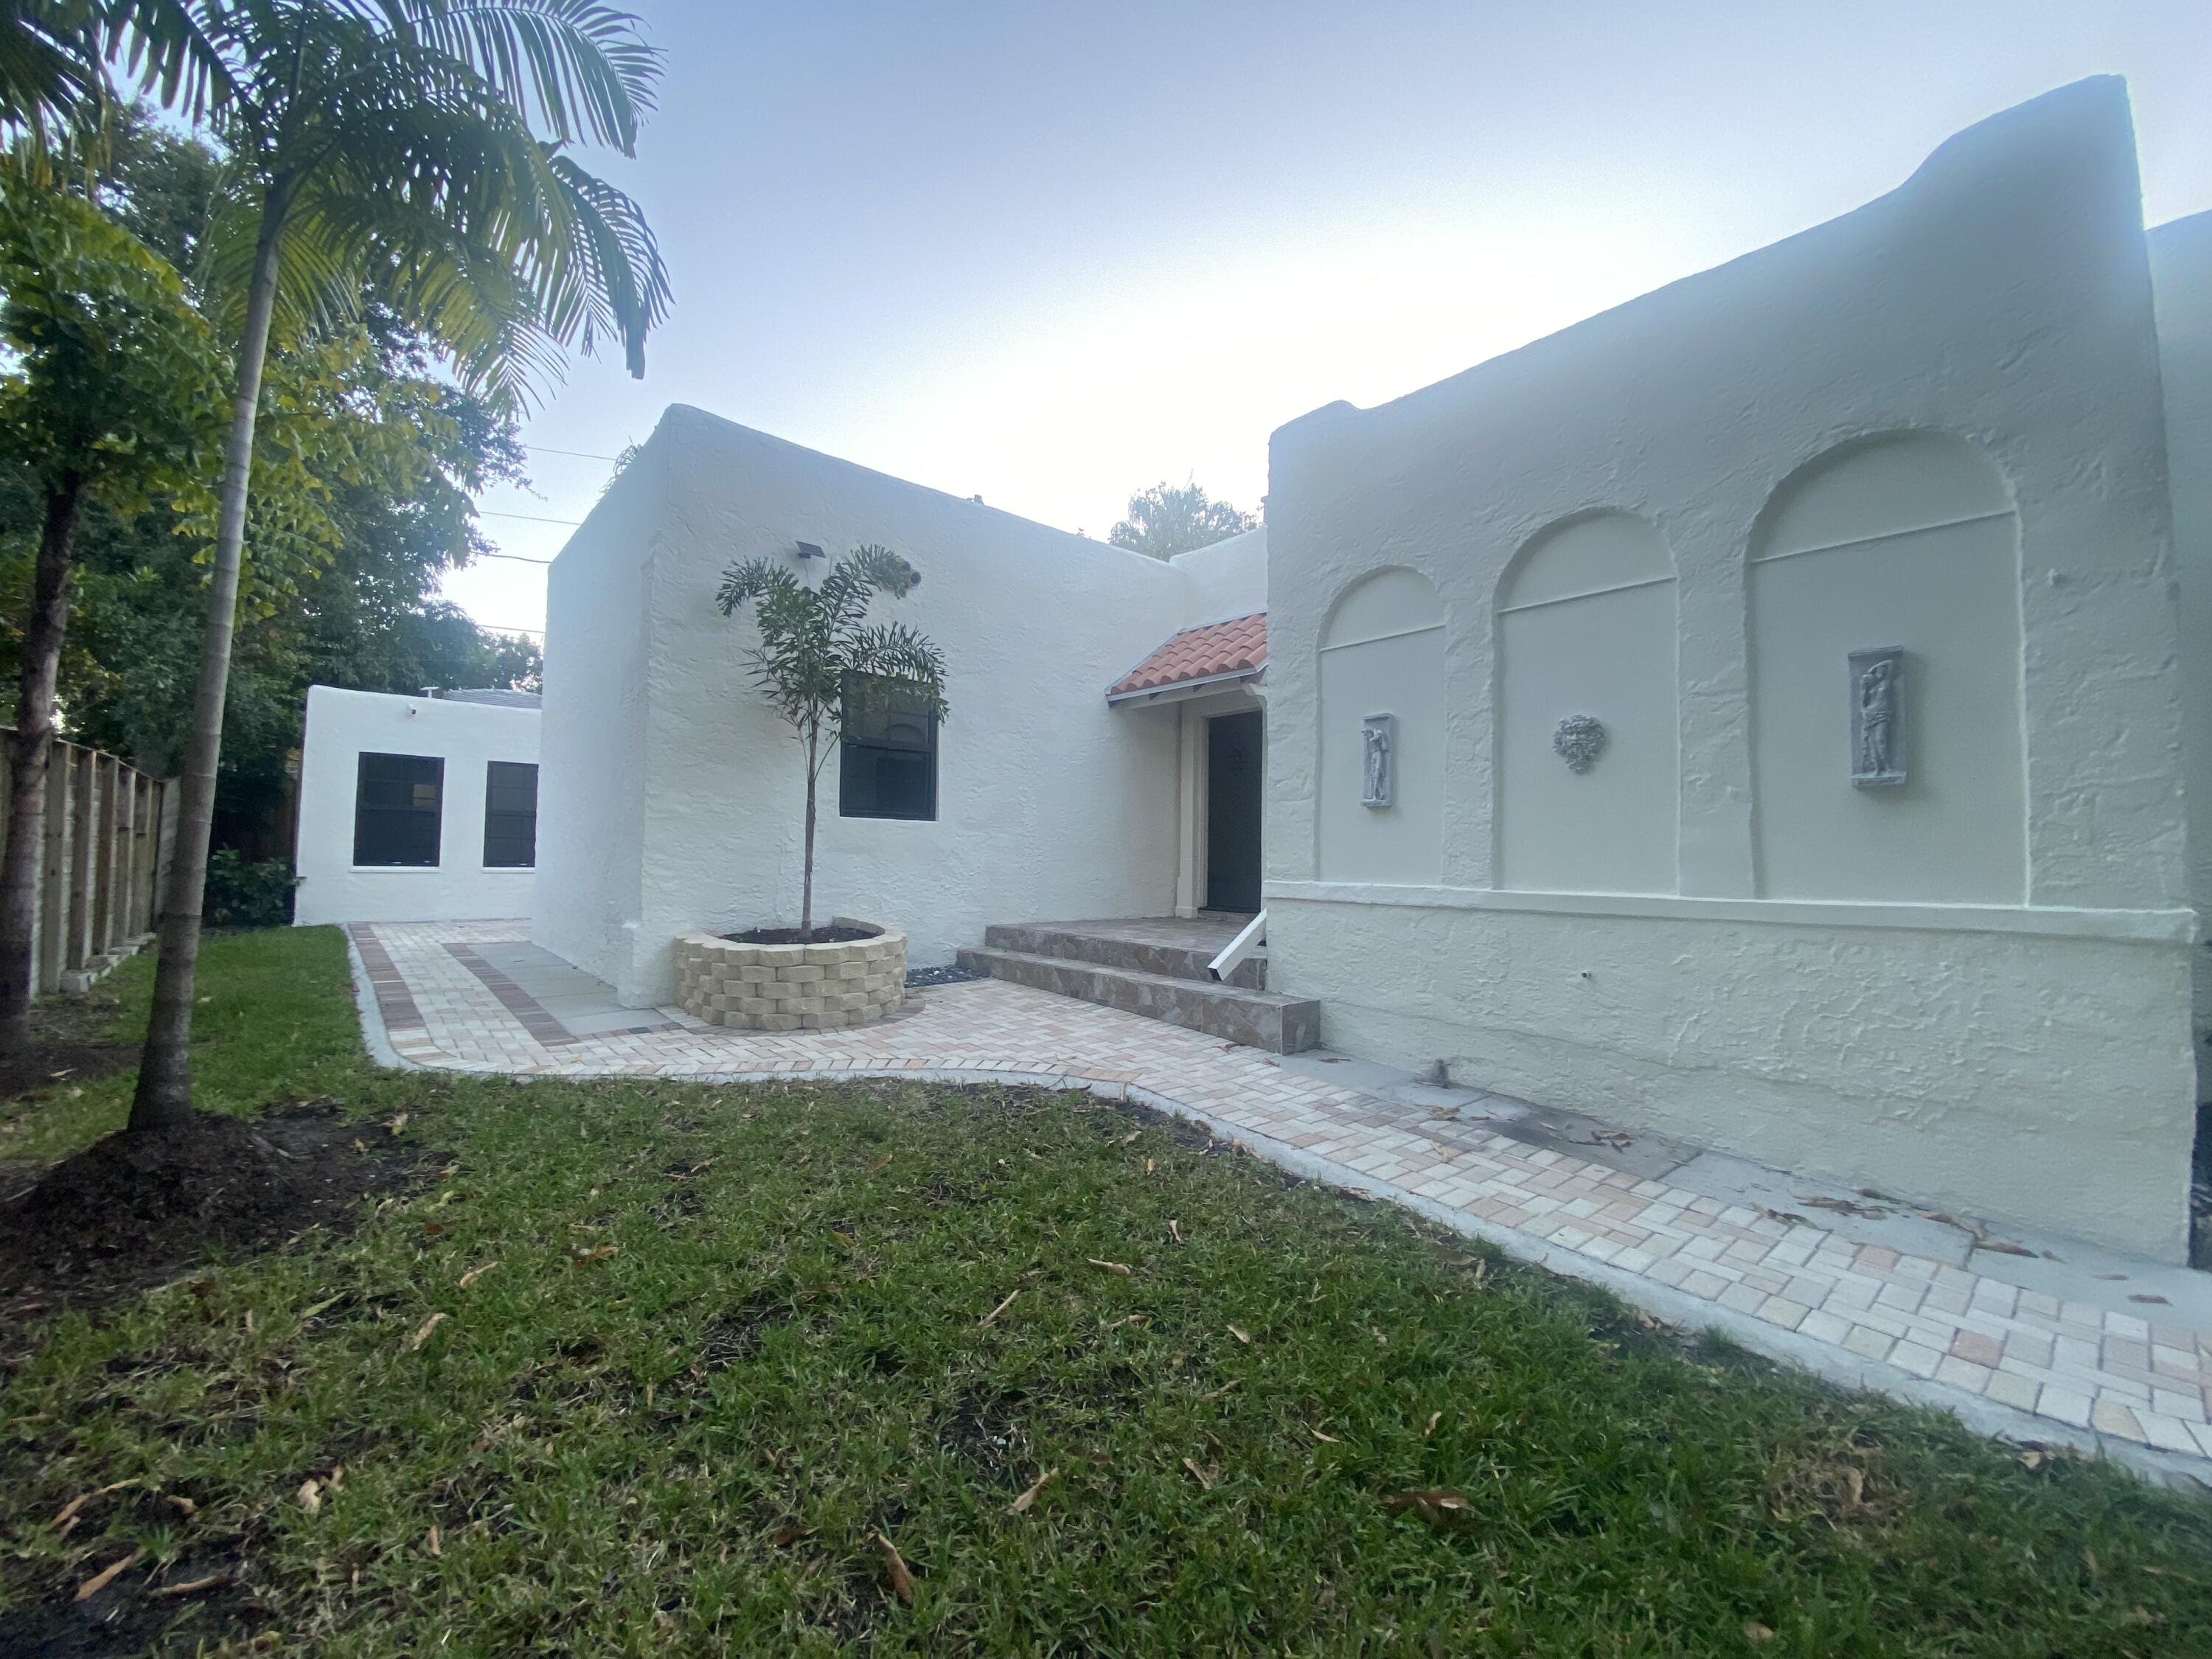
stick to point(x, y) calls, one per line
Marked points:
point(1220, 650)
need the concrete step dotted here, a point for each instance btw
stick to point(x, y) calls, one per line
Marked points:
point(1258, 1019)
point(1127, 950)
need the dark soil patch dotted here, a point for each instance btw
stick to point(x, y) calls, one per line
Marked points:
point(69, 1044)
point(130, 1211)
point(790, 936)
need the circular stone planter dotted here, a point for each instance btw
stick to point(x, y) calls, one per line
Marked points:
point(790, 987)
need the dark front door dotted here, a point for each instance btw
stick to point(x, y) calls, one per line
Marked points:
point(1233, 812)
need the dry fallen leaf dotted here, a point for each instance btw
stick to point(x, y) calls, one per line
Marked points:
point(1021, 1505)
point(69, 1510)
point(1219, 1392)
point(1755, 1631)
point(1001, 1308)
point(1318, 1435)
point(192, 1586)
point(901, 1580)
point(182, 1505)
point(1131, 1136)
point(1430, 1427)
point(398, 1123)
point(1240, 1336)
point(434, 1543)
point(1127, 1319)
point(1110, 1267)
point(1434, 1505)
point(789, 1535)
point(1148, 1166)
point(311, 1496)
point(423, 1331)
point(599, 1254)
point(101, 1580)
point(1175, 1231)
point(1205, 1480)
point(475, 1273)
point(879, 1163)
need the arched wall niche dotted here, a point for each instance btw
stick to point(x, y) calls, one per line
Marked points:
point(1381, 653)
point(1908, 785)
point(1586, 632)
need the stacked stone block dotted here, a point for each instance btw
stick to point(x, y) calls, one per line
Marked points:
point(790, 987)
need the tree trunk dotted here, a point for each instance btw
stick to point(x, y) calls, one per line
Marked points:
point(33, 746)
point(807, 888)
point(165, 1084)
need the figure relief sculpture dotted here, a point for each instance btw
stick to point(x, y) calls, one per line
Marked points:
point(1578, 740)
point(1877, 718)
point(1377, 738)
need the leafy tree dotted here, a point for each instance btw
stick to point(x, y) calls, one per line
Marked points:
point(118, 393)
point(819, 655)
point(1169, 519)
point(420, 148)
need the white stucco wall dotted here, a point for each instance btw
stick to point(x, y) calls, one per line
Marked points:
point(590, 791)
point(2181, 279)
point(2009, 1043)
point(1051, 805)
point(341, 727)
point(1229, 579)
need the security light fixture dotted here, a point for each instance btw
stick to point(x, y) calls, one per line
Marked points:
point(809, 551)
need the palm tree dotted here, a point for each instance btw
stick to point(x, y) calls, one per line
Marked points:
point(417, 150)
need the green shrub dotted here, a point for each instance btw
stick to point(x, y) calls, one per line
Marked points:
point(243, 892)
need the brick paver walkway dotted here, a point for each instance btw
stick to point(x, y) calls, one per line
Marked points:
point(2073, 1369)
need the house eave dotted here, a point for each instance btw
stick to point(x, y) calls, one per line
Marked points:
point(1183, 689)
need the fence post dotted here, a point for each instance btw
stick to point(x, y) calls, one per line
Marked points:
point(165, 844)
point(108, 772)
point(53, 872)
point(84, 853)
point(147, 849)
point(126, 853)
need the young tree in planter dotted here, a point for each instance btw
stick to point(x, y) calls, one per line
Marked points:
point(820, 658)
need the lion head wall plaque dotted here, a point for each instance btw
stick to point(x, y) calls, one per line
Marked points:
point(1579, 740)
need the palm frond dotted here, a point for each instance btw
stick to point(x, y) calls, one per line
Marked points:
point(579, 70)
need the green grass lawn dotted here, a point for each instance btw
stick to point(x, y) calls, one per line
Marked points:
point(699, 1352)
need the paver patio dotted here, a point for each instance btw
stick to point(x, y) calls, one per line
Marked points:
point(475, 996)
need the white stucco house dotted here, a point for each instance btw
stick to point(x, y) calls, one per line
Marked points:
point(416, 809)
point(1774, 712)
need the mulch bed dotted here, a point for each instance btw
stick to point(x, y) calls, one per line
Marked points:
point(131, 1211)
point(790, 936)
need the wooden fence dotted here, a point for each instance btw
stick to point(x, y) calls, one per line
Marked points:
point(104, 867)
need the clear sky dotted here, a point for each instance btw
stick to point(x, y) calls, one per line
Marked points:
point(1050, 253)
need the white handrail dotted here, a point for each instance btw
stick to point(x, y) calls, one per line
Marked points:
point(1239, 948)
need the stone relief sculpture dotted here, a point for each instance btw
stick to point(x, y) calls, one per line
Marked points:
point(1578, 740)
point(1378, 736)
point(1878, 717)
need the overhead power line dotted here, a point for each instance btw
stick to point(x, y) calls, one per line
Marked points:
point(578, 454)
point(530, 518)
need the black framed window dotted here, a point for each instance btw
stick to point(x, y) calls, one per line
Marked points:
point(510, 815)
point(397, 802)
point(887, 766)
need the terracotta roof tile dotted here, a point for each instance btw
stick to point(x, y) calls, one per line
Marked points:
point(1238, 645)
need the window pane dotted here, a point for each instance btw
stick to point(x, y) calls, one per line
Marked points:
point(888, 766)
point(397, 807)
point(510, 815)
